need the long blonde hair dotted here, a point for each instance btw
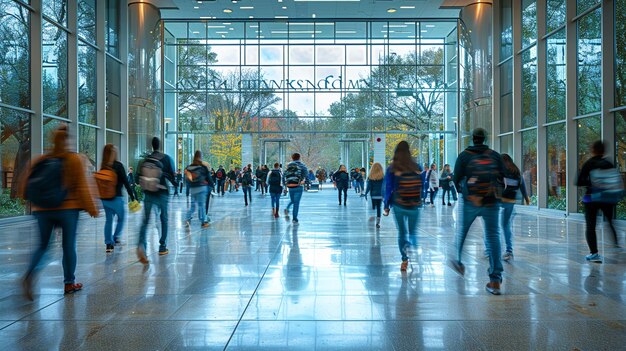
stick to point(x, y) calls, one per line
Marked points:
point(376, 172)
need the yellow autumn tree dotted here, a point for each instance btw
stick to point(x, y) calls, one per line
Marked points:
point(225, 148)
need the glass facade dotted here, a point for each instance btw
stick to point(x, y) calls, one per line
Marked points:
point(589, 52)
point(529, 163)
point(529, 22)
point(529, 87)
point(555, 14)
point(620, 52)
point(338, 78)
point(556, 83)
point(557, 166)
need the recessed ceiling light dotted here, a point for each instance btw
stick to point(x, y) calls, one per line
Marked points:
point(246, 7)
point(226, 23)
point(430, 26)
point(284, 7)
point(313, 15)
point(391, 10)
point(251, 17)
point(281, 16)
point(234, 1)
point(228, 11)
point(407, 7)
point(196, 32)
point(196, 7)
point(424, 31)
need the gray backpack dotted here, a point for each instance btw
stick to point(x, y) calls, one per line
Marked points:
point(151, 173)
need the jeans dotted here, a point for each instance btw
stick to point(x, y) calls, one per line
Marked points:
point(275, 200)
point(443, 195)
point(114, 207)
point(376, 203)
point(433, 195)
point(295, 194)
point(345, 195)
point(505, 223)
point(406, 221)
point(197, 199)
point(247, 194)
point(492, 236)
point(161, 201)
point(591, 217)
point(220, 187)
point(206, 204)
point(46, 221)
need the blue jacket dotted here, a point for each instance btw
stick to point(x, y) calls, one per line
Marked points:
point(375, 188)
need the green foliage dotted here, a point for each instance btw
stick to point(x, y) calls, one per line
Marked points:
point(11, 207)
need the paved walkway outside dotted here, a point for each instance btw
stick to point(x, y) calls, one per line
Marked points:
point(331, 283)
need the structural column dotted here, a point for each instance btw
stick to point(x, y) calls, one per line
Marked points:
point(247, 154)
point(380, 144)
point(144, 110)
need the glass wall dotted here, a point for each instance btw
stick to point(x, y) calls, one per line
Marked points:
point(589, 53)
point(557, 166)
point(620, 52)
point(529, 163)
point(588, 131)
point(278, 79)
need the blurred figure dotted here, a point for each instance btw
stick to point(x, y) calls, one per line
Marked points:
point(131, 181)
point(178, 181)
point(294, 178)
point(445, 181)
point(220, 175)
point(341, 180)
point(275, 181)
point(433, 183)
point(375, 189)
point(58, 190)
point(513, 182)
point(198, 177)
point(246, 184)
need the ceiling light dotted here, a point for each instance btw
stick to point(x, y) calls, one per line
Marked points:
point(346, 32)
point(284, 7)
point(196, 7)
point(246, 7)
point(234, 1)
point(430, 26)
point(196, 32)
point(215, 26)
point(205, 17)
point(313, 15)
point(391, 10)
point(424, 31)
point(407, 7)
point(221, 32)
point(228, 11)
point(251, 17)
point(254, 26)
point(281, 16)
point(226, 23)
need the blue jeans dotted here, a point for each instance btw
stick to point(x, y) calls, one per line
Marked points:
point(197, 200)
point(46, 221)
point(275, 200)
point(295, 194)
point(505, 223)
point(247, 193)
point(161, 201)
point(490, 216)
point(114, 207)
point(406, 221)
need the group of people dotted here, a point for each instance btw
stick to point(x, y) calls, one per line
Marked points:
point(489, 182)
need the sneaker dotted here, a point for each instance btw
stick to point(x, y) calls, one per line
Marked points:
point(295, 221)
point(493, 288)
point(276, 214)
point(449, 204)
point(72, 288)
point(404, 265)
point(187, 223)
point(377, 225)
point(141, 255)
point(205, 225)
point(163, 251)
point(507, 256)
point(594, 258)
point(110, 248)
point(458, 267)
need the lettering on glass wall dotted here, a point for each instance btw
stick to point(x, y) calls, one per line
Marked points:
point(329, 83)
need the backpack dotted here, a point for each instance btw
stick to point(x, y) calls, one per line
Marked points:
point(44, 187)
point(408, 191)
point(483, 171)
point(195, 174)
point(274, 179)
point(246, 179)
point(607, 185)
point(151, 172)
point(293, 175)
point(106, 179)
point(219, 174)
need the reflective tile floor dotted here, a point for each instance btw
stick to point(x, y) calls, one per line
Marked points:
point(250, 282)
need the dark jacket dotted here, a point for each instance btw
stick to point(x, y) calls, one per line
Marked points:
point(510, 192)
point(341, 179)
point(122, 180)
point(275, 189)
point(205, 179)
point(460, 167)
point(301, 166)
point(374, 188)
point(584, 178)
point(444, 182)
point(391, 184)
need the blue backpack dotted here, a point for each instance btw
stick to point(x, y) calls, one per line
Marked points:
point(45, 186)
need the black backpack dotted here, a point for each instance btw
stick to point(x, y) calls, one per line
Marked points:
point(198, 174)
point(482, 178)
point(408, 190)
point(45, 186)
point(246, 178)
point(274, 178)
point(293, 175)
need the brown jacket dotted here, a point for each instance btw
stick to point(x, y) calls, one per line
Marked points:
point(81, 190)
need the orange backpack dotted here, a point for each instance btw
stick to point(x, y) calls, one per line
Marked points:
point(107, 182)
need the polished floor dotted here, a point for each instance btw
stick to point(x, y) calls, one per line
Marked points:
point(250, 282)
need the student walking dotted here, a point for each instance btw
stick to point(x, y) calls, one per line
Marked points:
point(446, 183)
point(198, 178)
point(480, 171)
point(403, 191)
point(153, 173)
point(341, 180)
point(294, 178)
point(275, 182)
point(595, 173)
point(246, 184)
point(513, 182)
point(375, 189)
point(433, 183)
point(110, 179)
point(58, 189)
point(130, 178)
point(220, 175)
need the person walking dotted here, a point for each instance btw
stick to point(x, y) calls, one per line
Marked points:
point(433, 183)
point(425, 184)
point(232, 180)
point(294, 177)
point(445, 181)
point(198, 177)
point(403, 192)
point(275, 182)
point(58, 189)
point(113, 202)
point(246, 184)
point(341, 180)
point(220, 175)
point(130, 178)
point(321, 177)
point(178, 180)
point(375, 189)
point(154, 171)
point(264, 172)
point(479, 171)
point(258, 173)
point(513, 182)
point(210, 187)
point(594, 170)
